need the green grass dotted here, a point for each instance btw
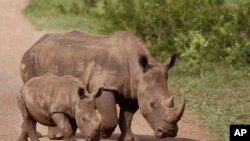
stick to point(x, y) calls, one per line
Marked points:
point(220, 95)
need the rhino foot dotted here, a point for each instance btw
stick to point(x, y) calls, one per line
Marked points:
point(22, 139)
point(105, 135)
point(70, 139)
point(129, 138)
point(56, 137)
point(39, 135)
point(54, 133)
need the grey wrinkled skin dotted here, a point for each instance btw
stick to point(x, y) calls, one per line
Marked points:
point(121, 64)
point(58, 101)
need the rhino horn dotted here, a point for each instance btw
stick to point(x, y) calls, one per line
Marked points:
point(170, 102)
point(176, 113)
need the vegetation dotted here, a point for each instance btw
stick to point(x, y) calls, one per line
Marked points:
point(221, 96)
point(212, 38)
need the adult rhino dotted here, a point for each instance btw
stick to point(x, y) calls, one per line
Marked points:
point(120, 64)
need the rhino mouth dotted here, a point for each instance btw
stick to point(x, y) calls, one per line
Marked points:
point(96, 138)
point(159, 133)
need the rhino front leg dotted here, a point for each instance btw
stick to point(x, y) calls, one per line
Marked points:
point(73, 125)
point(127, 112)
point(63, 124)
point(54, 133)
point(106, 105)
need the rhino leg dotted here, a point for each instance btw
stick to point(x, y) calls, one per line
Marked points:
point(32, 130)
point(63, 123)
point(106, 105)
point(73, 125)
point(54, 133)
point(125, 119)
point(29, 123)
point(24, 134)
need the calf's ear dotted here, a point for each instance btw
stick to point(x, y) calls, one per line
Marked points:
point(81, 93)
point(96, 93)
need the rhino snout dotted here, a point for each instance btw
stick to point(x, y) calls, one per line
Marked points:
point(162, 133)
point(95, 138)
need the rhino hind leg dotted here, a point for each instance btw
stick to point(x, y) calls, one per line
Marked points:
point(29, 124)
point(63, 123)
point(125, 118)
point(24, 134)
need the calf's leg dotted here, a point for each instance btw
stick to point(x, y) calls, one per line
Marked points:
point(24, 134)
point(28, 126)
point(106, 105)
point(54, 133)
point(63, 124)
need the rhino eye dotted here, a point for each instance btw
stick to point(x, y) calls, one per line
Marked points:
point(152, 104)
point(83, 119)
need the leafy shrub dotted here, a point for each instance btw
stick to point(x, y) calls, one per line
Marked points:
point(200, 30)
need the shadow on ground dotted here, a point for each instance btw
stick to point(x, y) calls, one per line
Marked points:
point(115, 137)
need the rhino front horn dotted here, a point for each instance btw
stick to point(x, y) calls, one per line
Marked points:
point(176, 113)
point(180, 111)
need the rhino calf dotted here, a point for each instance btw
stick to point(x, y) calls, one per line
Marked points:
point(58, 101)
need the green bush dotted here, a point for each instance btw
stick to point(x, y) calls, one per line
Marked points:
point(199, 30)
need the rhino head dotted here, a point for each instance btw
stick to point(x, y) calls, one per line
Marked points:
point(155, 102)
point(87, 117)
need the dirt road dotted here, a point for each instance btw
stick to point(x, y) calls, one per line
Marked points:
point(16, 36)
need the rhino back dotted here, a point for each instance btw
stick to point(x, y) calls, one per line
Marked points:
point(109, 61)
point(98, 61)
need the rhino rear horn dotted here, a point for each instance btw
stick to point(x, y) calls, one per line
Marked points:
point(170, 102)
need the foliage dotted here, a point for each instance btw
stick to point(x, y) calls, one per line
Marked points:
point(199, 30)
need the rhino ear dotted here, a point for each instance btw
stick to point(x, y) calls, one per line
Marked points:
point(96, 93)
point(143, 62)
point(81, 92)
point(170, 62)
